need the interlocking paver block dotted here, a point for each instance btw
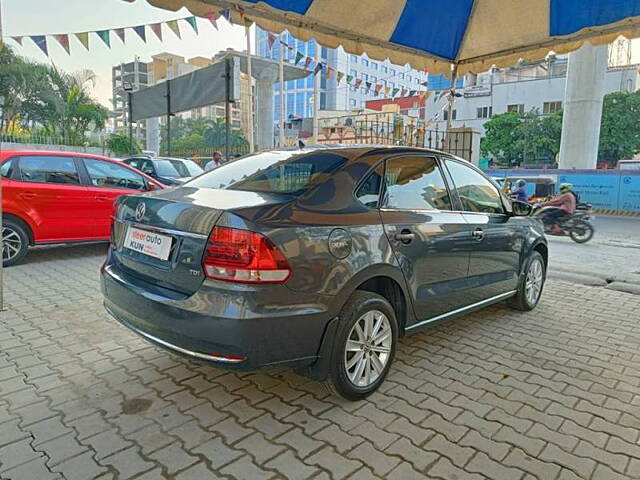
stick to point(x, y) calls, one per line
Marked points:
point(558, 393)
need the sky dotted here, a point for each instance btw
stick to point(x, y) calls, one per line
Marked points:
point(33, 17)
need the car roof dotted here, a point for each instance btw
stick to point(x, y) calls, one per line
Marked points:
point(57, 153)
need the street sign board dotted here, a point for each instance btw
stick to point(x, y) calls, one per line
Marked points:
point(199, 88)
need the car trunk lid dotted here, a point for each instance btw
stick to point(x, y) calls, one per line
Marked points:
point(161, 237)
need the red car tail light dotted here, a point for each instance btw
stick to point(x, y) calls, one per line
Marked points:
point(244, 257)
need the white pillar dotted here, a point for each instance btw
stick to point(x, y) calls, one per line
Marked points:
point(250, 100)
point(282, 97)
point(264, 108)
point(583, 97)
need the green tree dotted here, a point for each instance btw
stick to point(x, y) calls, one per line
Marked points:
point(620, 127)
point(120, 146)
point(41, 97)
point(502, 134)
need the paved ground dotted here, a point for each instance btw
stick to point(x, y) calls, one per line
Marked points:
point(553, 394)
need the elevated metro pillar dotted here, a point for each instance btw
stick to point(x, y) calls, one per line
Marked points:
point(583, 97)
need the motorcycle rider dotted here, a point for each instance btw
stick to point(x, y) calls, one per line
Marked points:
point(559, 206)
point(519, 191)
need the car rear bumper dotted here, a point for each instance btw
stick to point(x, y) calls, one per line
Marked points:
point(220, 324)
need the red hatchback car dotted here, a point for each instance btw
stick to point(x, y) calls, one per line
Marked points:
point(61, 197)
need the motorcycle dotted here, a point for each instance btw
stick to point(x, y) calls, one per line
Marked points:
point(578, 226)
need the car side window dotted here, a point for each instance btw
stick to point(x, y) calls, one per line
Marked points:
point(49, 169)
point(6, 170)
point(146, 166)
point(415, 183)
point(476, 192)
point(369, 191)
point(133, 162)
point(112, 175)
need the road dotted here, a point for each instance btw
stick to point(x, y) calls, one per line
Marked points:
point(611, 259)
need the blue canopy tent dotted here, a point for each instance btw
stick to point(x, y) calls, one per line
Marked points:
point(437, 35)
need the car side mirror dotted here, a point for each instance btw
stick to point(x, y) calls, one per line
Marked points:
point(151, 187)
point(521, 209)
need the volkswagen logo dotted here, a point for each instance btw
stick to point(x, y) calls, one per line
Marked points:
point(140, 209)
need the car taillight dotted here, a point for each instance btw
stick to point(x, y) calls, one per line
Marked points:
point(243, 256)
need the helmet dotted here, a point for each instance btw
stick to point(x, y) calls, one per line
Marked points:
point(522, 182)
point(565, 187)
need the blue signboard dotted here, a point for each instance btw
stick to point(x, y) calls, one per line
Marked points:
point(599, 190)
point(629, 193)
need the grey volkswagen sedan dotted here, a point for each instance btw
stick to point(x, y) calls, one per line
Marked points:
point(318, 259)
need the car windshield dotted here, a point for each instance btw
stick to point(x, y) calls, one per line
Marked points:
point(273, 172)
point(165, 168)
point(186, 168)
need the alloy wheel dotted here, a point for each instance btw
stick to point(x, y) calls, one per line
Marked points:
point(368, 348)
point(534, 281)
point(11, 243)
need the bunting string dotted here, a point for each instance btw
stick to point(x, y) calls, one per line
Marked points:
point(309, 63)
point(42, 40)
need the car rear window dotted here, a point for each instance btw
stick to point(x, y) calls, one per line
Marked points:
point(273, 172)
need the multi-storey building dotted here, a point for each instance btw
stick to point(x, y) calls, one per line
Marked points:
point(334, 96)
point(538, 86)
point(134, 75)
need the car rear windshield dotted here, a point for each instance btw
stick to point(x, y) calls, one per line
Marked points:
point(273, 172)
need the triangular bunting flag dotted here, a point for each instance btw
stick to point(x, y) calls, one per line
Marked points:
point(377, 89)
point(307, 61)
point(63, 40)
point(386, 91)
point(226, 13)
point(395, 92)
point(317, 69)
point(213, 18)
point(120, 33)
point(41, 42)
point(299, 56)
point(18, 40)
point(412, 93)
point(175, 28)
point(194, 24)
point(368, 85)
point(83, 38)
point(271, 39)
point(157, 29)
point(328, 72)
point(104, 36)
point(358, 82)
point(349, 79)
point(141, 32)
point(339, 76)
point(404, 92)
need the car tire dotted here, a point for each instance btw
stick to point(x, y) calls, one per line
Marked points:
point(361, 359)
point(15, 241)
point(531, 283)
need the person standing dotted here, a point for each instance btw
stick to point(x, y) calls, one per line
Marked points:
point(215, 162)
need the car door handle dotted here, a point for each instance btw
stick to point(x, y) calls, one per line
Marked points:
point(102, 199)
point(405, 236)
point(478, 234)
point(27, 195)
